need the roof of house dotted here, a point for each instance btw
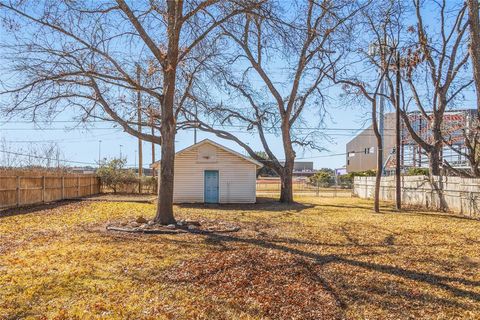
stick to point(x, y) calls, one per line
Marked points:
point(208, 141)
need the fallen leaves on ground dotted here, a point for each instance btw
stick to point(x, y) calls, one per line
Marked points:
point(319, 258)
point(279, 284)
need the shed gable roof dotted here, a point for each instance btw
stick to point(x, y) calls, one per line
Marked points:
point(213, 143)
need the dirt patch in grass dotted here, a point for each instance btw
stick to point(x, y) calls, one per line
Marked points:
point(275, 285)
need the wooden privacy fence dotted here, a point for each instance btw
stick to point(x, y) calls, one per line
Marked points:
point(16, 191)
point(456, 194)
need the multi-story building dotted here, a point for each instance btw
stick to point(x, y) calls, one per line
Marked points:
point(361, 151)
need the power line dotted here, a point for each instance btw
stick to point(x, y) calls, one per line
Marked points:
point(221, 127)
point(46, 158)
point(55, 129)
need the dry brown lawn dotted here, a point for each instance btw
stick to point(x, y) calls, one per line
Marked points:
point(323, 258)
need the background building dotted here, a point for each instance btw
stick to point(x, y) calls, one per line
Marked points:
point(361, 151)
point(302, 168)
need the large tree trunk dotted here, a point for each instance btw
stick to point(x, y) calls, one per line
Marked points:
point(165, 191)
point(475, 45)
point(286, 190)
point(168, 124)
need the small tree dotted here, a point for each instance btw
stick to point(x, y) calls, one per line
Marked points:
point(381, 36)
point(324, 177)
point(113, 174)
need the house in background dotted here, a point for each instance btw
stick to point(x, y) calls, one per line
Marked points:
point(208, 172)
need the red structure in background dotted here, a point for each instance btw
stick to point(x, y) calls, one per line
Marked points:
point(413, 156)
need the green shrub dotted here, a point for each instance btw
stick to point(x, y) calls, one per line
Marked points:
point(346, 180)
point(417, 172)
point(324, 177)
point(114, 175)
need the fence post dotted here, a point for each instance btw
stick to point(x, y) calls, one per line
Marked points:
point(17, 196)
point(43, 189)
point(91, 185)
point(78, 186)
point(63, 187)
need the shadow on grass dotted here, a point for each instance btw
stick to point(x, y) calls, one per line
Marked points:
point(443, 282)
point(262, 204)
point(35, 208)
point(437, 214)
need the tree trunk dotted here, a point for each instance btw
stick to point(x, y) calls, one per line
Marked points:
point(165, 191)
point(286, 191)
point(434, 161)
point(378, 175)
point(168, 123)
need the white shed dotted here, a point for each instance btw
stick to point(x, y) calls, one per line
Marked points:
point(208, 172)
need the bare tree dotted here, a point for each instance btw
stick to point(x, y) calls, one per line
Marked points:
point(82, 57)
point(471, 132)
point(380, 25)
point(303, 45)
point(433, 65)
point(33, 155)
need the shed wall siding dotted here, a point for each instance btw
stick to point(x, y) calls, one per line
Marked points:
point(237, 178)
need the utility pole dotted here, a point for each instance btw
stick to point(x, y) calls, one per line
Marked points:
point(153, 148)
point(121, 151)
point(99, 153)
point(140, 153)
point(398, 186)
point(195, 128)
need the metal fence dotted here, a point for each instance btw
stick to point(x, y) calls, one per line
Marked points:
point(301, 188)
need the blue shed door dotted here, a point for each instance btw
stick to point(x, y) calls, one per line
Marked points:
point(211, 186)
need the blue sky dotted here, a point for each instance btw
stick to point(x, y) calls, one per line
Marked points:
point(82, 144)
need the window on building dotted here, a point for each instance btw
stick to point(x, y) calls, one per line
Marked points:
point(369, 150)
point(348, 162)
